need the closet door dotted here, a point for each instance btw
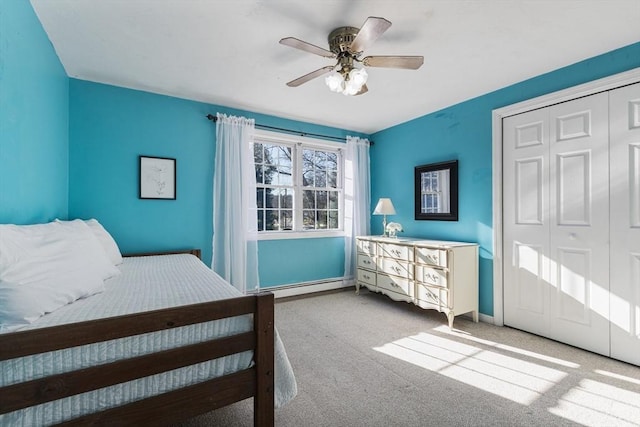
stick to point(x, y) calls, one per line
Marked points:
point(556, 222)
point(625, 223)
point(579, 222)
point(526, 221)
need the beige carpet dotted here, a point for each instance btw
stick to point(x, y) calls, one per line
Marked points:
point(368, 361)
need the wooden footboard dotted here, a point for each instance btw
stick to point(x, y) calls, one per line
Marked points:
point(256, 381)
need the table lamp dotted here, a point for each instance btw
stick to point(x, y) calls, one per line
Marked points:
point(384, 207)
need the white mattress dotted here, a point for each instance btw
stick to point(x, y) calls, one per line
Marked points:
point(146, 283)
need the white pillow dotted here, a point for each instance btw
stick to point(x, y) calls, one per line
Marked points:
point(106, 240)
point(46, 266)
point(22, 302)
point(82, 235)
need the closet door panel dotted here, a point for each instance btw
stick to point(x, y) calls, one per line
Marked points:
point(526, 227)
point(574, 185)
point(625, 223)
point(578, 222)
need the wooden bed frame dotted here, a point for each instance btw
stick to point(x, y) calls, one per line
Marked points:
point(256, 381)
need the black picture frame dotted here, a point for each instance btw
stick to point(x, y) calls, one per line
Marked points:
point(157, 178)
point(439, 204)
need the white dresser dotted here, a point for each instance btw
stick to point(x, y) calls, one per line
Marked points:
point(431, 274)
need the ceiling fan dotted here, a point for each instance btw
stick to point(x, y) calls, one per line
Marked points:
point(346, 44)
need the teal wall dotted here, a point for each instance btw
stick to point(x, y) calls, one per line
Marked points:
point(34, 117)
point(463, 132)
point(111, 126)
point(69, 148)
point(300, 260)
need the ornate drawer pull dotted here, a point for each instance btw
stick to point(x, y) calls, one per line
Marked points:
point(366, 261)
point(396, 269)
point(396, 252)
point(431, 277)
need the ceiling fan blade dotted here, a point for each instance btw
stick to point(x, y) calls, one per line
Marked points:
point(312, 75)
point(307, 47)
point(372, 28)
point(408, 62)
point(363, 89)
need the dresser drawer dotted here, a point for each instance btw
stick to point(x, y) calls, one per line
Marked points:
point(433, 295)
point(431, 256)
point(367, 247)
point(396, 268)
point(400, 252)
point(431, 276)
point(396, 284)
point(366, 276)
point(366, 261)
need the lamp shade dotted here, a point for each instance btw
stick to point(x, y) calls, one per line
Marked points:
point(384, 207)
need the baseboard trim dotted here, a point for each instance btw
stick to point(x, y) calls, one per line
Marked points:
point(485, 318)
point(309, 287)
point(337, 283)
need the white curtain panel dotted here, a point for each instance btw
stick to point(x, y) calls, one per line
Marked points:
point(235, 245)
point(357, 200)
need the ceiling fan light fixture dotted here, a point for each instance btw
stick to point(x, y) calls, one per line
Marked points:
point(349, 91)
point(358, 76)
point(347, 83)
point(335, 82)
point(350, 88)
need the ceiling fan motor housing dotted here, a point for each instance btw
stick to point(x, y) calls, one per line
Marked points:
point(341, 38)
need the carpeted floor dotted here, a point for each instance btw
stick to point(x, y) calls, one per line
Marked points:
point(364, 360)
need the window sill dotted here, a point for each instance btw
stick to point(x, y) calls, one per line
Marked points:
point(283, 235)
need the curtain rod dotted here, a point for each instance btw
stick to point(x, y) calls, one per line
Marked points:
point(296, 132)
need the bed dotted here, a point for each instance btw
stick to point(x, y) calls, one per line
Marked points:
point(158, 345)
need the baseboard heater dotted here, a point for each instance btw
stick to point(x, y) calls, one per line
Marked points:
point(303, 288)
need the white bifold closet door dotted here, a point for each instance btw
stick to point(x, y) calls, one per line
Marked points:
point(572, 222)
point(625, 223)
point(556, 218)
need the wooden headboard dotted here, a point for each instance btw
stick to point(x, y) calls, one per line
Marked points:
point(196, 252)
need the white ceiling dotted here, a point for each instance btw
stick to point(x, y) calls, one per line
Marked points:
point(226, 52)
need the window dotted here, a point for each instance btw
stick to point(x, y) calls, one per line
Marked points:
point(298, 185)
point(274, 186)
point(430, 192)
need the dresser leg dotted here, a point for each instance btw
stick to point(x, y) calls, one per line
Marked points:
point(475, 316)
point(357, 288)
point(450, 318)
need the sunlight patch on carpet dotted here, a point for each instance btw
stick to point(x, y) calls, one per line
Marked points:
point(509, 377)
point(512, 349)
point(593, 403)
point(617, 376)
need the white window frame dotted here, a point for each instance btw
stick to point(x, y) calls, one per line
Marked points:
point(437, 193)
point(297, 143)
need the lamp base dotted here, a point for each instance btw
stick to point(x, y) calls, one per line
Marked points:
point(384, 226)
